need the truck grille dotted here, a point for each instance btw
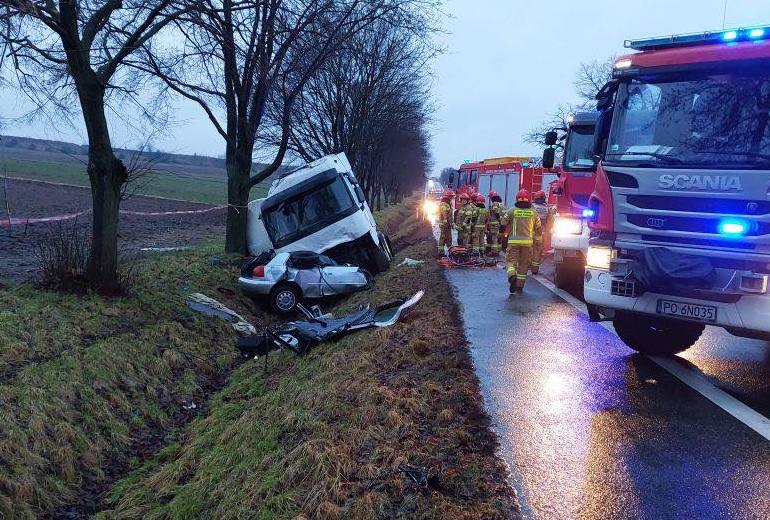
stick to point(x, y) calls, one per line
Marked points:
point(697, 205)
point(690, 224)
point(723, 244)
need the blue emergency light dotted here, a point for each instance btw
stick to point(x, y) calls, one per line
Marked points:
point(588, 213)
point(733, 227)
point(704, 38)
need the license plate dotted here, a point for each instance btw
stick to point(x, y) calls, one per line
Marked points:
point(689, 311)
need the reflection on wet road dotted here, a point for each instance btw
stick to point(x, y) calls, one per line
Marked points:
point(592, 430)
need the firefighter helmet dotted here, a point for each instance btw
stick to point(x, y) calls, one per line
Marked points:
point(539, 195)
point(448, 195)
point(464, 196)
point(493, 194)
point(479, 198)
point(522, 196)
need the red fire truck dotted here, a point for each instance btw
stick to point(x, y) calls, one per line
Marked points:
point(569, 237)
point(681, 208)
point(505, 175)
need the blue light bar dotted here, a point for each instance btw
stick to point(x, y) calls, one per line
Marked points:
point(588, 213)
point(704, 38)
point(733, 227)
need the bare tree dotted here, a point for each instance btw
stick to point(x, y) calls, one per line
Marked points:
point(239, 58)
point(370, 100)
point(589, 79)
point(72, 52)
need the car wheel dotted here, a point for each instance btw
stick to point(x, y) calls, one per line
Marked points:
point(656, 336)
point(284, 299)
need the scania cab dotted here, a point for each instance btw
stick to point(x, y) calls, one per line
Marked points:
point(681, 208)
point(569, 238)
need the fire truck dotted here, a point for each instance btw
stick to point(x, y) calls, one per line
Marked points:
point(505, 175)
point(680, 213)
point(569, 237)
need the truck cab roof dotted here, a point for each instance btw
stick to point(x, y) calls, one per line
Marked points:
point(338, 162)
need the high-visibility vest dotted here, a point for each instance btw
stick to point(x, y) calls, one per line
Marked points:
point(525, 226)
point(444, 214)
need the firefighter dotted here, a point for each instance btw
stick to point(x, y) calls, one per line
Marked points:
point(525, 227)
point(480, 224)
point(445, 223)
point(545, 212)
point(496, 215)
point(462, 221)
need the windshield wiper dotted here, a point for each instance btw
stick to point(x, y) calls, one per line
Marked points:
point(757, 155)
point(661, 157)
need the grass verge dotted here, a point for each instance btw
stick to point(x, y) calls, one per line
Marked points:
point(329, 435)
point(346, 431)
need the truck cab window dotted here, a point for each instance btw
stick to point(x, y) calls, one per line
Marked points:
point(715, 120)
point(300, 214)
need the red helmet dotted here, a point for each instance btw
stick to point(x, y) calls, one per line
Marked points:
point(522, 196)
point(540, 194)
point(493, 194)
point(448, 195)
point(464, 196)
point(479, 198)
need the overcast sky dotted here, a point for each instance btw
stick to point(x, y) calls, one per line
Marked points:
point(508, 63)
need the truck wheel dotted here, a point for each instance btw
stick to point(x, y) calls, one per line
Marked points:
point(284, 299)
point(656, 336)
point(379, 261)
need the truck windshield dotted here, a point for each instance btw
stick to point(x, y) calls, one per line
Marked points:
point(579, 151)
point(308, 212)
point(713, 120)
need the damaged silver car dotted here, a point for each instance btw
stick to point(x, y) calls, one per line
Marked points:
point(286, 279)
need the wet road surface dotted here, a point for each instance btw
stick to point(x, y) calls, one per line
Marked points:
point(591, 429)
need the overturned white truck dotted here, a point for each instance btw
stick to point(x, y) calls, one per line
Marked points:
point(319, 207)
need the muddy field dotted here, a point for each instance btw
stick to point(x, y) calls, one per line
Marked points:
point(24, 199)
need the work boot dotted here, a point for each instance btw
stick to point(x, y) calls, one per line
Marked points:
point(535, 269)
point(512, 286)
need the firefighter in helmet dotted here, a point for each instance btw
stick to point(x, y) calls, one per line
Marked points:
point(545, 212)
point(496, 215)
point(480, 224)
point(445, 222)
point(524, 227)
point(463, 218)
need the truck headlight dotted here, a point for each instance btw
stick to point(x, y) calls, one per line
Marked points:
point(567, 226)
point(430, 206)
point(599, 257)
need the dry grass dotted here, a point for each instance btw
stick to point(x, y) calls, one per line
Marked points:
point(328, 435)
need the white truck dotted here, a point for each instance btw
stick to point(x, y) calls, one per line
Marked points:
point(319, 207)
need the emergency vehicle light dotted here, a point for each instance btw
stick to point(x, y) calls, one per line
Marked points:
point(733, 227)
point(704, 38)
point(588, 213)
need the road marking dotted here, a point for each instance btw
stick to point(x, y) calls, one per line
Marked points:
point(698, 382)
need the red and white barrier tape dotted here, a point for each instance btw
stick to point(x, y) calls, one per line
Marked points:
point(23, 221)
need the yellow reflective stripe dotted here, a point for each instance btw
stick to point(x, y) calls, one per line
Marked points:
point(522, 241)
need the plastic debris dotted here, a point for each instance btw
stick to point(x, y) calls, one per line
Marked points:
point(411, 261)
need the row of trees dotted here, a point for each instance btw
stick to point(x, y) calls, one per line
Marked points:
point(274, 77)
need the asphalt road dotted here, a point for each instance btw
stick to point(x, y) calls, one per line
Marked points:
point(591, 429)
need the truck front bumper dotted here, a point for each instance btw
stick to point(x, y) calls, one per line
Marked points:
point(751, 312)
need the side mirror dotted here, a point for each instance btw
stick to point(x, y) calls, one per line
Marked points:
point(550, 138)
point(360, 194)
point(452, 179)
point(549, 156)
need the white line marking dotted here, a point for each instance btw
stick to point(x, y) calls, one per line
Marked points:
point(698, 382)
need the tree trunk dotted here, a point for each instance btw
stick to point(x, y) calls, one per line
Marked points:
point(107, 174)
point(238, 175)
